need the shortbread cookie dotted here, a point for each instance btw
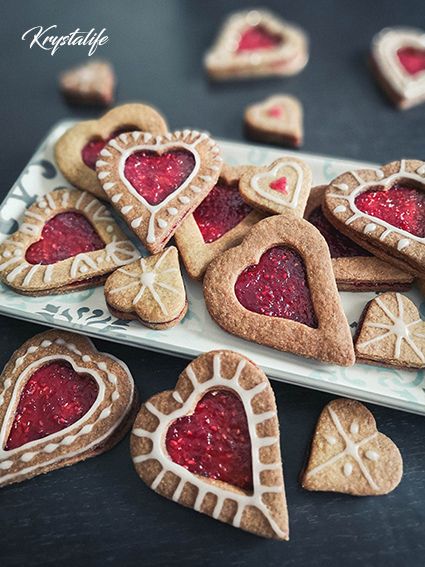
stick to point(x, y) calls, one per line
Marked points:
point(398, 57)
point(92, 83)
point(150, 290)
point(220, 222)
point(62, 402)
point(276, 120)
point(383, 210)
point(278, 289)
point(212, 444)
point(155, 182)
point(391, 333)
point(281, 187)
point(349, 455)
point(77, 151)
point(256, 43)
point(354, 267)
point(67, 241)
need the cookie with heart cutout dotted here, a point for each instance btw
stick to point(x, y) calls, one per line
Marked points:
point(67, 241)
point(383, 210)
point(212, 444)
point(92, 83)
point(281, 187)
point(391, 333)
point(349, 455)
point(61, 401)
point(220, 222)
point(78, 149)
point(398, 61)
point(276, 120)
point(256, 43)
point(355, 268)
point(150, 290)
point(155, 182)
point(277, 289)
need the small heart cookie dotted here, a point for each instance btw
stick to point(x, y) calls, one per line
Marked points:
point(281, 187)
point(61, 401)
point(150, 290)
point(92, 83)
point(77, 151)
point(349, 455)
point(212, 444)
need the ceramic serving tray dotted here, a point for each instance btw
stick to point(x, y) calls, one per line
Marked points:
point(86, 312)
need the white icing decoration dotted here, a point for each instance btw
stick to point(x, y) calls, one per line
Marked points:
point(116, 197)
point(354, 427)
point(348, 469)
point(125, 210)
point(274, 196)
point(340, 209)
point(108, 186)
point(162, 223)
point(330, 439)
point(120, 252)
point(403, 243)
point(172, 211)
point(372, 455)
point(421, 170)
point(341, 186)
point(370, 227)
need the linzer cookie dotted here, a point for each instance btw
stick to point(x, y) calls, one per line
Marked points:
point(212, 444)
point(349, 455)
point(150, 290)
point(67, 241)
point(398, 57)
point(92, 83)
point(155, 182)
point(355, 268)
point(383, 210)
point(281, 187)
point(77, 151)
point(218, 223)
point(277, 120)
point(391, 333)
point(256, 43)
point(278, 289)
point(61, 401)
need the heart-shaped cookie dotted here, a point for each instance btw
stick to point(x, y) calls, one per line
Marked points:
point(277, 120)
point(155, 182)
point(257, 43)
point(383, 210)
point(278, 289)
point(281, 187)
point(220, 222)
point(61, 401)
point(77, 151)
point(150, 290)
point(212, 444)
point(349, 455)
point(398, 56)
point(67, 241)
point(391, 333)
point(91, 83)
point(354, 267)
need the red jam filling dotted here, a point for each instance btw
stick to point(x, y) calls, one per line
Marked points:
point(279, 185)
point(277, 287)
point(401, 206)
point(214, 441)
point(156, 176)
point(91, 150)
point(257, 37)
point(63, 236)
point(274, 111)
point(54, 397)
point(339, 245)
point(413, 60)
point(221, 211)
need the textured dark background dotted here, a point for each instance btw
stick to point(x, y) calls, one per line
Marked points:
point(99, 512)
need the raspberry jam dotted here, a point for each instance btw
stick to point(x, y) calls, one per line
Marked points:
point(274, 111)
point(279, 185)
point(277, 287)
point(91, 150)
point(339, 245)
point(54, 397)
point(413, 60)
point(214, 441)
point(221, 211)
point(255, 38)
point(401, 206)
point(156, 176)
point(63, 236)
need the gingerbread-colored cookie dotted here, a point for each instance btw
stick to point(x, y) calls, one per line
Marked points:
point(220, 222)
point(61, 401)
point(77, 151)
point(92, 83)
point(278, 289)
point(349, 455)
point(212, 444)
point(68, 240)
point(155, 182)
